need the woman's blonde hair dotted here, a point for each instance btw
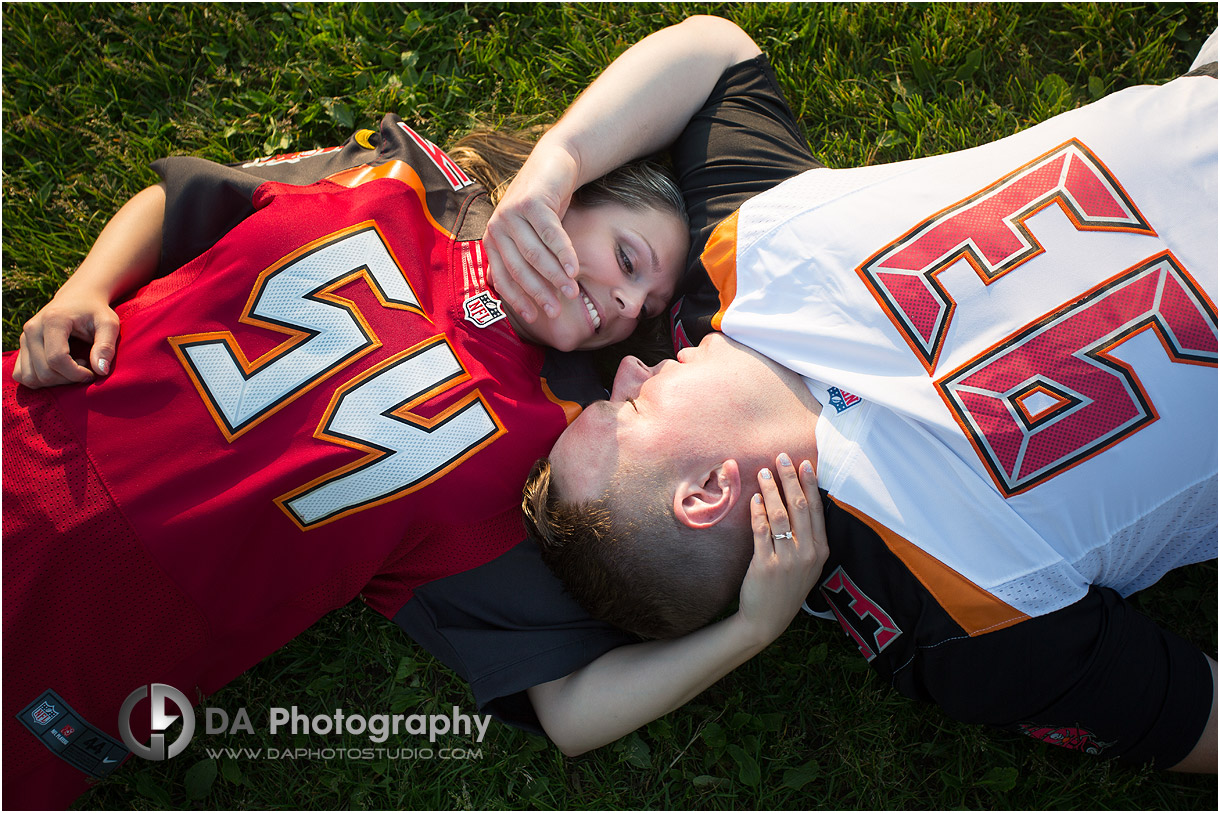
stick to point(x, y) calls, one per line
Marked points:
point(493, 158)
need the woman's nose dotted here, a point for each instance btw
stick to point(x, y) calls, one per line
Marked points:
point(629, 301)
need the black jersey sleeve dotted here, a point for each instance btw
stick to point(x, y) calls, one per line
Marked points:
point(1097, 677)
point(743, 141)
point(203, 202)
point(506, 626)
point(204, 199)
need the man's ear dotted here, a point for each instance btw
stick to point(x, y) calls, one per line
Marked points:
point(706, 498)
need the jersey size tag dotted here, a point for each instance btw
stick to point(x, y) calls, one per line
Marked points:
point(482, 309)
point(69, 737)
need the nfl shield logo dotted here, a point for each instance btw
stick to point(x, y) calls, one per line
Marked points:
point(45, 713)
point(483, 309)
point(841, 399)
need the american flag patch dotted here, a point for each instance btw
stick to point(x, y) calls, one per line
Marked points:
point(842, 400)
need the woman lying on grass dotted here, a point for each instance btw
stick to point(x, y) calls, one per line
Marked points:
point(272, 388)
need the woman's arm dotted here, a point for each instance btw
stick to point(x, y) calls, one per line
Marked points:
point(638, 105)
point(124, 257)
point(633, 685)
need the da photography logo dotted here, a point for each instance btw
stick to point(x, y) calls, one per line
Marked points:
point(378, 728)
point(160, 719)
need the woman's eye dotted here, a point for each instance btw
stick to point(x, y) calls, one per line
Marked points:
point(629, 270)
point(625, 261)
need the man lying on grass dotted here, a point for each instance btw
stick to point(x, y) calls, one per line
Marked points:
point(1012, 405)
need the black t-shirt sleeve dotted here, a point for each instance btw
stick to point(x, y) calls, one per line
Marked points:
point(506, 626)
point(743, 141)
point(1097, 676)
point(1207, 69)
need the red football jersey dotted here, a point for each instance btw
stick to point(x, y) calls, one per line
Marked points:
point(328, 403)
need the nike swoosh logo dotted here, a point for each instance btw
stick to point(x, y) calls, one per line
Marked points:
point(108, 759)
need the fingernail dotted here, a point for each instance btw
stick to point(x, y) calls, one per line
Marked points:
point(103, 365)
point(551, 311)
point(757, 498)
point(569, 291)
point(569, 269)
point(784, 460)
point(807, 467)
point(765, 474)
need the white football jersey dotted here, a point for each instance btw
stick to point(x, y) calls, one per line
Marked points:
point(1014, 346)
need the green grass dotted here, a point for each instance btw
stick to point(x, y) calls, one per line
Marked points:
point(92, 94)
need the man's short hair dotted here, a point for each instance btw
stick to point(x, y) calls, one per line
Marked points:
point(628, 561)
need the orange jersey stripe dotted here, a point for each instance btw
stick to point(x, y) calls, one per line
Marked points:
point(972, 607)
point(396, 170)
point(720, 261)
point(571, 409)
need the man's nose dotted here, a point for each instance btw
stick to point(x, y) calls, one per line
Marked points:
point(631, 375)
